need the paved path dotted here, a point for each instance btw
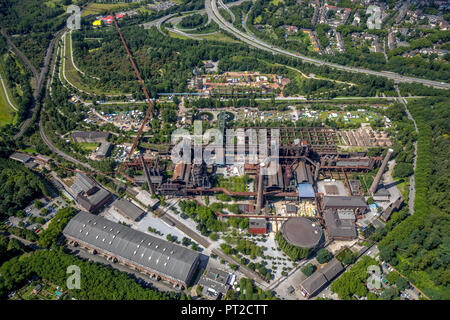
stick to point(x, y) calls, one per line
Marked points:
point(412, 182)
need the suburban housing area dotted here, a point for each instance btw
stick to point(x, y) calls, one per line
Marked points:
point(226, 150)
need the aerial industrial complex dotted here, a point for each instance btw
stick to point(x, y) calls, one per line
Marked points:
point(224, 150)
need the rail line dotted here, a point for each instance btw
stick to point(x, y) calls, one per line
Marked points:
point(150, 103)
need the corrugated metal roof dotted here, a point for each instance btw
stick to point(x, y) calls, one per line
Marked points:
point(342, 201)
point(305, 190)
point(128, 209)
point(160, 256)
point(20, 157)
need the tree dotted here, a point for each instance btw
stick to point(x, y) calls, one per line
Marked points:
point(214, 236)
point(308, 269)
point(403, 170)
point(371, 296)
point(323, 255)
point(389, 293)
point(401, 284)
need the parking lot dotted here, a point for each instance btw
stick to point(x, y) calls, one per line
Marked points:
point(32, 214)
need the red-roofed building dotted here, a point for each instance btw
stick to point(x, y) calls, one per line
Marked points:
point(257, 225)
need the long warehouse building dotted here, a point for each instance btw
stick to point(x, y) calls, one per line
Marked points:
point(138, 250)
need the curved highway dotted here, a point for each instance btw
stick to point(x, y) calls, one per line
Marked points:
point(213, 12)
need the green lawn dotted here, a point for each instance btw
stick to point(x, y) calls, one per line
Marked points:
point(219, 37)
point(97, 8)
point(7, 114)
point(88, 146)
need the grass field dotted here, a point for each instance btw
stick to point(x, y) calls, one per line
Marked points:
point(219, 37)
point(88, 146)
point(7, 113)
point(177, 36)
point(97, 8)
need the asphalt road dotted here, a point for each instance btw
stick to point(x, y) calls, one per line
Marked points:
point(213, 12)
point(412, 182)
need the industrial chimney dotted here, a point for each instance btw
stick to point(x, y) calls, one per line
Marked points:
point(260, 195)
point(376, 181)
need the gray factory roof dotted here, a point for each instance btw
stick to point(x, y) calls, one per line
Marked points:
point(146, 251)
point(20, 157)
point(337, 227)
point(320, 278)
point(355, 163)
point(257, 223)
point(216, 280)
point(104, 149)
point(82, 183)
point(344, 202)
point(128, 209)
point(90, 134)
point(332, 269)
point(314, 282)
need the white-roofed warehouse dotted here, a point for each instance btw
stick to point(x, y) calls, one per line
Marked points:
point(148, 254)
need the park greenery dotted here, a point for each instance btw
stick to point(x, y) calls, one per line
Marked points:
point(352, 283)
point(249, 291)
point(50, 235)
point(18, 187)
point(419, 245)
point(99, 282)
point(293, 252)
point(33, 23)
point(308, 269)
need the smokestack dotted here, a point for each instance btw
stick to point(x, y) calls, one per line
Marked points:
point(147, 175)
point(376, 181)
point(260, 196)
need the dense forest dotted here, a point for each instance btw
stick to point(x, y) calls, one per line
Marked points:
point(18, 186)
point(98, 282)
point(167, 67)
point(33, 23)
point(419, 246)
point(17, 79)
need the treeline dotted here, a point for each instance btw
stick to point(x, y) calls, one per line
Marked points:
point(50, 235)
point(204, 216)
point(97, 281)
point(18, 186)
point(403, 140)
point(193, 20)
point(294, 252)
point(419, 246)
point(18, 81)
point(352, 282)
point(34, 22)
